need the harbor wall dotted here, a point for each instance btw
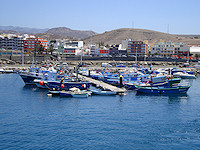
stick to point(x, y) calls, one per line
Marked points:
point(41, 58)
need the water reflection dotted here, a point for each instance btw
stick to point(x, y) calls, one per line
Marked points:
point(172, 98)
point(29, 86)
point(177, 98)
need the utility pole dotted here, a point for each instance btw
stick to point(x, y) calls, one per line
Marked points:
point(136, 55)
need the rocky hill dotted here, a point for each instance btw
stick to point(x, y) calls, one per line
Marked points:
point(49, 36)
point(66, 32)
point(9, 32)
point(116, 36)
point(110, 37)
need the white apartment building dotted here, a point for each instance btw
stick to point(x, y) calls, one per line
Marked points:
point(169, 48)
point(78, 44)
point(73, 47)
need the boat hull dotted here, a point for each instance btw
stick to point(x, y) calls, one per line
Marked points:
point(67, 85)
point(29, 79)
point(162, 90)
point(65, 94)
point(85, 95)
point(188, 77)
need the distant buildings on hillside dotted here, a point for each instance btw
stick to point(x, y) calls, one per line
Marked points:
point(31, 44)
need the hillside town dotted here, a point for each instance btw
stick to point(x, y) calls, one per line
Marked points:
point(15, 45)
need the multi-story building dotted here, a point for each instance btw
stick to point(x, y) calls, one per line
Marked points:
point(137, 48)
point(70, 51)
point(169, 48)
point(92, 50)
point(73, 48)
point(11, 42)
point(114, 50)
point(74, 44)
point(43, 42)
point(103, 52)
point(99, 51)
point(31, 43)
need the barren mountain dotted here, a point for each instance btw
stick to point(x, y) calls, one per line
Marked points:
point(49, 36)
point(66, 32)
point(9, 32)
point(23, 29)
point(116, 36)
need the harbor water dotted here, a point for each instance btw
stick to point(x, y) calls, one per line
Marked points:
point(29, 119)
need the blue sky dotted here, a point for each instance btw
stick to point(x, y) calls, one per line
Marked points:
point(183, 16)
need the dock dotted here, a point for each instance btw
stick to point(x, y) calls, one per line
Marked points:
point(103, 85)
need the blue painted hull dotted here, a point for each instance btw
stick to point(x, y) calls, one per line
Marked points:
point(28, 79)
point(162, 90)
point(132, 85)
point(67, 85)
point(66, 94)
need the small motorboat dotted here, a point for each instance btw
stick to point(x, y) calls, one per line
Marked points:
point(106, 93)
point(76, 92)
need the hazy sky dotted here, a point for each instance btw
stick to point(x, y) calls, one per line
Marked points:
point(183, 16)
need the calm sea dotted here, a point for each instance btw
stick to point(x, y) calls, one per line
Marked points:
point(31, 120)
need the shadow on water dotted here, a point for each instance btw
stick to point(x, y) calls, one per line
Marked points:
point(34, 88)
point(29, 86)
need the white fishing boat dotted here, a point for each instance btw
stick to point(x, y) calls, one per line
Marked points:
point(76, 92)
point(106, 93)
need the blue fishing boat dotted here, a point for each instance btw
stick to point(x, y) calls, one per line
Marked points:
point(36, 73)
point(162, 90)
point(145, 81)
point(29, 76)
point(63, 85)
